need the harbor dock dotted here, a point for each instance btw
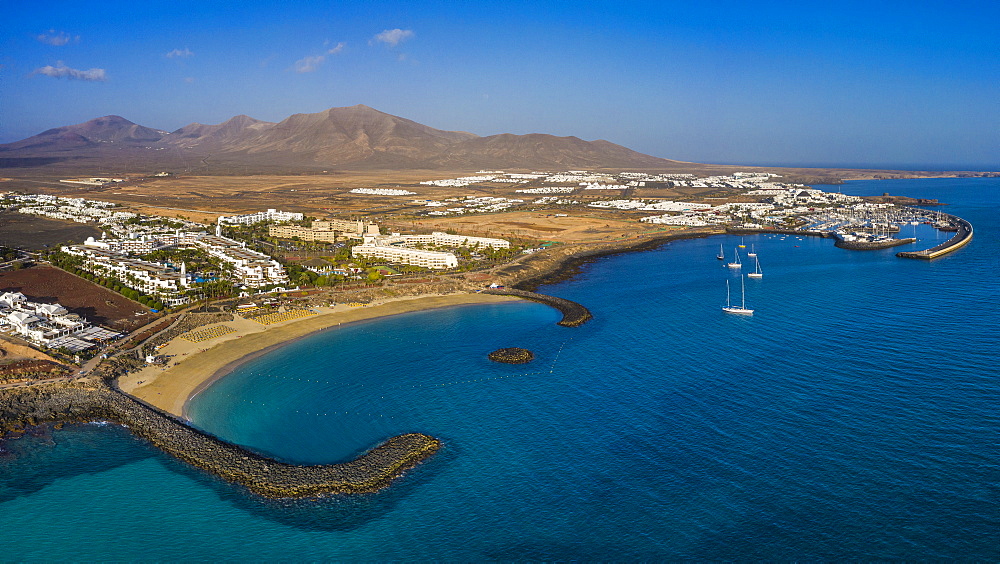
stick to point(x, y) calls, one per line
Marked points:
point(959, 240)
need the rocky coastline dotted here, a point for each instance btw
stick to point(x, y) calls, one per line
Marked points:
point(563, 262)
point(91, 401)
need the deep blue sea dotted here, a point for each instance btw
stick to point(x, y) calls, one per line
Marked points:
point(854, 416)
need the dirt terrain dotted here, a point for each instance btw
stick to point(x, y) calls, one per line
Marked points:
point(95, 303)
point(578, 226)
point(205, 197)
point(20, 362)
point(31, 232)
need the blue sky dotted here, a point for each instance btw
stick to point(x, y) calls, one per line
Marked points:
point(848, 83)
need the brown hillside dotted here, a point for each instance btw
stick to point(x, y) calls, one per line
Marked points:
point(356, 137)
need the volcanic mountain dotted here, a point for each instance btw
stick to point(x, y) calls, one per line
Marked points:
point(107, 129)
point(356, 137)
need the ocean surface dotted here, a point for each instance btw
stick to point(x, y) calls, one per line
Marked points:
point(853, 416)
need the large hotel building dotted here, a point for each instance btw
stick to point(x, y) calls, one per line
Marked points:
point(397, 248)
point(326, 231)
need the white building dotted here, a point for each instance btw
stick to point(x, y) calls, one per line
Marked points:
point(260, 217)
point(398, 248)
point(404, 255)
point(443, 239)
point(137, 246)
point(47, 324)
point(107, 257)
point(250, 268)
point(150, 278)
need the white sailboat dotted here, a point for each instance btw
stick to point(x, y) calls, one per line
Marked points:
point(736, 261)
point(721, 255)
point(752, 252)
point(756, 273)
point(730, 308)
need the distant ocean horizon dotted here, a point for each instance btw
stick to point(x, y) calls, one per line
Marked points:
point(852, 417)
point(914, 167)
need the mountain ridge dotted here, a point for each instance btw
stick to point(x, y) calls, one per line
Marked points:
point(354, 137)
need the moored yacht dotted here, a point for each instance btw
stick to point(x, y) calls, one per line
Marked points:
point(736, 260)
point(756, 273)
point(730, 308)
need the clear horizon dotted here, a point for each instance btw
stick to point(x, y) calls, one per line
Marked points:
point(713, 83)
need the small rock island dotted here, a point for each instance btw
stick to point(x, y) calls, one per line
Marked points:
point(512, 355)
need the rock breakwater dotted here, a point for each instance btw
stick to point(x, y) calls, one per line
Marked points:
point(79, 402)
point(574, 314)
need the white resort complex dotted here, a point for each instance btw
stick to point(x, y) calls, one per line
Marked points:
point(259, 217)
point(399, 248)
point(49, 325)
point(109, 257)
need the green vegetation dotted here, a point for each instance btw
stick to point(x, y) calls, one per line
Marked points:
point(301, 276)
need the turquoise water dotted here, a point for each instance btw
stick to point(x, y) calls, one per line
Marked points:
point(853, 416)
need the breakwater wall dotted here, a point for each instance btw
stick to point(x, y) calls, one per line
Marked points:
point(959, 240)
point(574, 314)
point(78, 402)
point(872, 245)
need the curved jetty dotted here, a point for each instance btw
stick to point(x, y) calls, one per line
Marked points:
point(512, 355)
point(574, 314)
point(372, 471)
point(959, 240)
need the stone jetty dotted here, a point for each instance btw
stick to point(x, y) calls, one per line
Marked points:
point(93, 401)
point(574, 314)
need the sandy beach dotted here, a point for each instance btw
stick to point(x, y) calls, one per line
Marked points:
point(193, 366)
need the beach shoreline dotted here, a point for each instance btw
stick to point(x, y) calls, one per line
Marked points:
point(171, 388)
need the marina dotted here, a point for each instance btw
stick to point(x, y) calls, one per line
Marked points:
point(865, 228)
